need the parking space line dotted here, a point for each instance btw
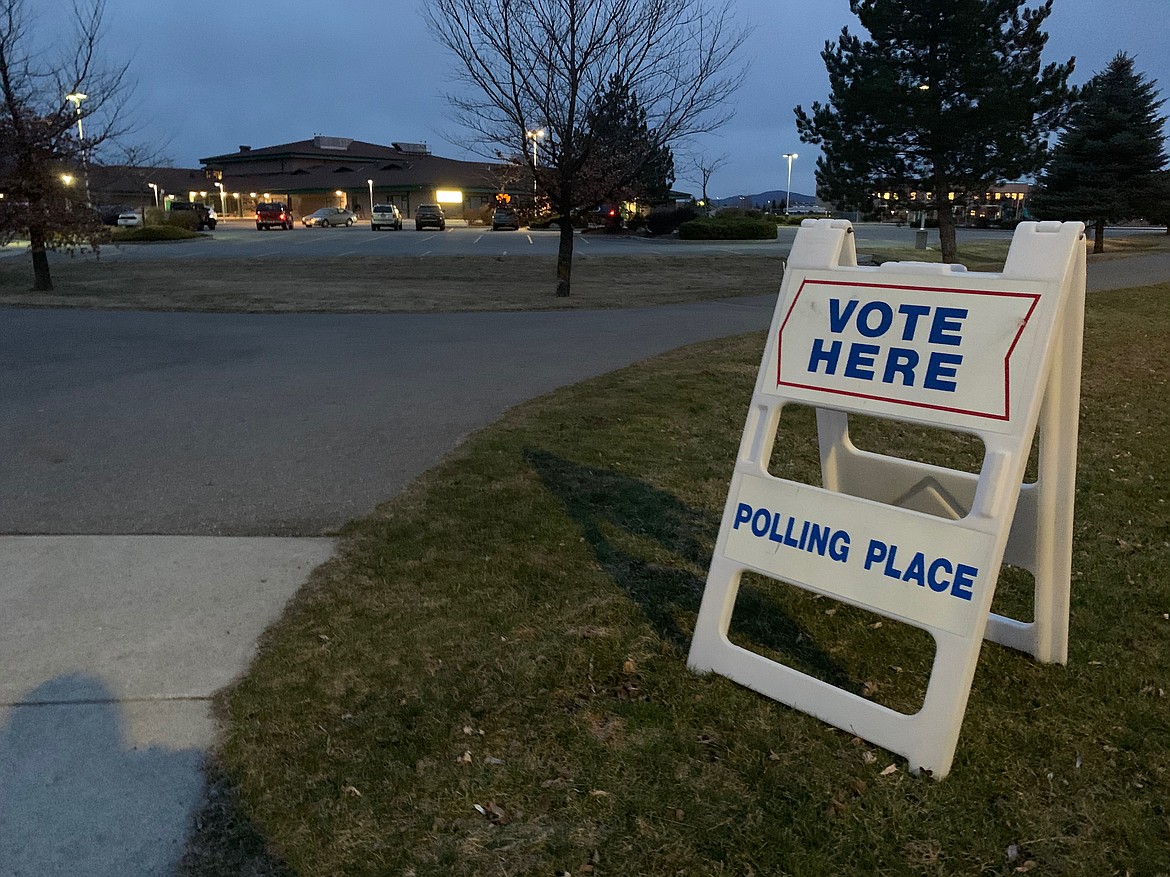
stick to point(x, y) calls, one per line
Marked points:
point(478, 239)
point(529, 238)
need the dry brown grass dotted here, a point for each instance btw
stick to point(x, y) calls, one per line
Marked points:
point(389, 284)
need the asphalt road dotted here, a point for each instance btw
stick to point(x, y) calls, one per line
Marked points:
point(221, 424)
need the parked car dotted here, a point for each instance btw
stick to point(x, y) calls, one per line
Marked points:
point(273, 214)
point(505, 218)
point(430, 214)
point(203, 217)
point(130, 219)
point(386, 216)
point(328, 216)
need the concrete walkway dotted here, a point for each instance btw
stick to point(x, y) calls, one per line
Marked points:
point(111, 646)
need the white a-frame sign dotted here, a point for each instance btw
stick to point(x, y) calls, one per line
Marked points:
point(997, 356)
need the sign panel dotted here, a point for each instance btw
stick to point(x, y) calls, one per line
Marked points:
point(907, 565)
point(941, 352)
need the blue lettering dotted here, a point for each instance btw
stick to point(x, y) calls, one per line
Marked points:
point(885, 318)
point(916, 571)
point(860, 363)
point(912, 312)
point(839, 546)
point(941, 369)
point(828, 357)
point(838, 320)
point(936, 584)
point(891, 571)
point(774, 533)
point(946, 326)
point(818, 540)
point(760, 522)
point(875, 553)
point(964, 579)
point(743, 514)
point(901, 361)
point(788, 540)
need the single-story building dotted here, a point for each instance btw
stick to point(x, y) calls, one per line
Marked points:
point(321, 172)
point(341, 172)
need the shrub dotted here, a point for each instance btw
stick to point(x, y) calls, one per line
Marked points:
point(152, 233)
point(667, 221)
point(178, 218)
point(728, 229)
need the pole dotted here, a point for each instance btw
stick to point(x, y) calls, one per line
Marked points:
point(370, 183)
point(788, 192)
point(75, 98)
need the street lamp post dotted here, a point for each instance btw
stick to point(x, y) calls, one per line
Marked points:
point(788, 193)
point(75, 98)
point(154, 187)
point(538, 134)
point(222, 199)
point(370, 183)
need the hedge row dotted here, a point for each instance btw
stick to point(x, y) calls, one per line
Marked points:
point(727, 229)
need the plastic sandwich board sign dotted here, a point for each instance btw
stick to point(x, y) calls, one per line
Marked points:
point(995, 356)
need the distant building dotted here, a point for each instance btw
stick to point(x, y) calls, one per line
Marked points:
point(340, 172)
point(321, 172)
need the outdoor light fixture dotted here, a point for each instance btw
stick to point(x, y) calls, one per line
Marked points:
point(75, 98)
point(788, 194)
point(154, 186)
point(370, 183)
point(67, 179)
point(222, 198)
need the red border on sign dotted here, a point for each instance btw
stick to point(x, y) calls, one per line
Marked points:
point(990, 415)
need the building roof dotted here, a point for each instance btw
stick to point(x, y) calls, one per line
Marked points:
point(327, 149)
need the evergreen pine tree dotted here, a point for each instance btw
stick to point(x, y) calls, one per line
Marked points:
point(1107, 163)
point(946, 96)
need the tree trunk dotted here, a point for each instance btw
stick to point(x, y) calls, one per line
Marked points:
point(1099, 236)
point(946, 230)
point(42, 280)
point(565, 256)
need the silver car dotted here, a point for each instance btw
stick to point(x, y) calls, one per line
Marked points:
point(328, 216)
point(386, 216)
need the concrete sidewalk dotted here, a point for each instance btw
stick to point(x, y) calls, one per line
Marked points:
point(111, 650)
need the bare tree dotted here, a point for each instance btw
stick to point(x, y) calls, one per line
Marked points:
point(706, 167)
point(539, 65)
point(59, 109)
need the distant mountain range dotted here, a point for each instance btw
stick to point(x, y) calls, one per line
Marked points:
point(762, 199)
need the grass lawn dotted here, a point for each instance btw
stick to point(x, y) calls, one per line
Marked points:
point(356, 284)
point(989, 255)
point(490, 679)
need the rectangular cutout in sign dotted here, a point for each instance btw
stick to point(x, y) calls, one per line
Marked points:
point(993, 356)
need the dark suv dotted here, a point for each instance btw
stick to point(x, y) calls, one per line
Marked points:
point(430, 214)
point(203, 217)
point(273, 214)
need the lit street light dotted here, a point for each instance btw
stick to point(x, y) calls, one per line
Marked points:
point(370, 183)
point(154, 186)
point(222, 199)
point(75, 98)
point(788, 194)
point(538, 134)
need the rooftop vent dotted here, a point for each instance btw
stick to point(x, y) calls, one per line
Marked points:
point(245, 148)
point(412, 148)
point(332, 142)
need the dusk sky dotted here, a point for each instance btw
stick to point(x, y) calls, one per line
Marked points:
point(215, 74)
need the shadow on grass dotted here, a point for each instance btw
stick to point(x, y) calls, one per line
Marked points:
point(606, 504)
point(223, 840)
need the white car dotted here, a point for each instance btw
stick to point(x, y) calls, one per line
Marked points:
point(386, 216)
point(130, 219)
point(328, 216)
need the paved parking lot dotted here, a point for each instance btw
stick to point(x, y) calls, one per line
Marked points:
point(239, 239)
